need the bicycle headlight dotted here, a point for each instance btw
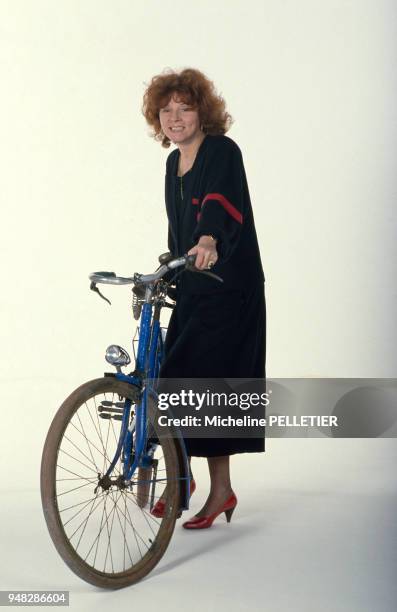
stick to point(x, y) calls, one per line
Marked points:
point(117, 356)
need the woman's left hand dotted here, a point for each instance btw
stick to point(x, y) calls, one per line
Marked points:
point(207, 255)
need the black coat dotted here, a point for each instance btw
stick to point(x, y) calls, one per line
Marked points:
point(216, 330)
point(216, 201)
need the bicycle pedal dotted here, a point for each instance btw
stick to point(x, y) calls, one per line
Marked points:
point(109, 410)
point(106, 415)
point(117, 405)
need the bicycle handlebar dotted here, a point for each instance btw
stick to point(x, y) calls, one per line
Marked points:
point(110, 278)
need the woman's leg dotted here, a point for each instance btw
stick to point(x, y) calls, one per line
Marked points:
point(221, 488)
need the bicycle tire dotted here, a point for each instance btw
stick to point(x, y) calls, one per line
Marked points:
point(51, 502)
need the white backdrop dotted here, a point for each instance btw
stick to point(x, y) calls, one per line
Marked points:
point(312, 88)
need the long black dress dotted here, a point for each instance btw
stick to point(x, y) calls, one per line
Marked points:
point(216, 330)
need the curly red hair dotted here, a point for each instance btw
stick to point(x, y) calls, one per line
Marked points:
point(193, 88)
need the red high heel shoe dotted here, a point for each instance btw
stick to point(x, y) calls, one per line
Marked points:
point(203, 522)
point(159, 507)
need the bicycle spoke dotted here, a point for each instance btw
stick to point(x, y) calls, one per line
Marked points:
point(97, 544)
point(145, 512)
point(102, 527)
point(84, 521)
point(78, 512)
point(78, 478)
point(74, 458)
point(80, 451)
point(82, 502)
point(85, 524)
point(89, 442)
point(99, 427)
point(116, 438)
point(70, 472)
point(135, 531)
point(85, 437)
point(74, 489)
point(123, 529)
point(125, 524)
point(107, 438)
point(109, 546)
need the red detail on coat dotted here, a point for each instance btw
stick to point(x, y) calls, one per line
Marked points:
point(195, 201)
point(232, 210)
point(198, 216)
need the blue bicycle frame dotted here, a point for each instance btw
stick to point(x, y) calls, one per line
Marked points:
point(148, 362)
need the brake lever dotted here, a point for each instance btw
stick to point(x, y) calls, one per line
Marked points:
point(93, 287)
point(192, 268)
point(210, 274)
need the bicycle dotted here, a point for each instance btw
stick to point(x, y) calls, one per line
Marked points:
point(106, 461)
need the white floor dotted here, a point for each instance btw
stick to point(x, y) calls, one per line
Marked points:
point(315, 529)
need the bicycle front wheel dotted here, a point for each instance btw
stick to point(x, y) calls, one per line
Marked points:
point(105, 534)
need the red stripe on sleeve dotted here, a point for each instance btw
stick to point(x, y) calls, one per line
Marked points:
point(232, 210)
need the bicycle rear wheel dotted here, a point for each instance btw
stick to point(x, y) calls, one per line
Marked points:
point(106, 535)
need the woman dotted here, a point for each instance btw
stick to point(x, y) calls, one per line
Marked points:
point(216, 330)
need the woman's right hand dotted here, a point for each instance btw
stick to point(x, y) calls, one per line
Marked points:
point(206, 252)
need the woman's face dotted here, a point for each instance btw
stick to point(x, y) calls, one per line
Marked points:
point(179, 121)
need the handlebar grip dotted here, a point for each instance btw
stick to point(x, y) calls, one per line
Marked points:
point(191, 259)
